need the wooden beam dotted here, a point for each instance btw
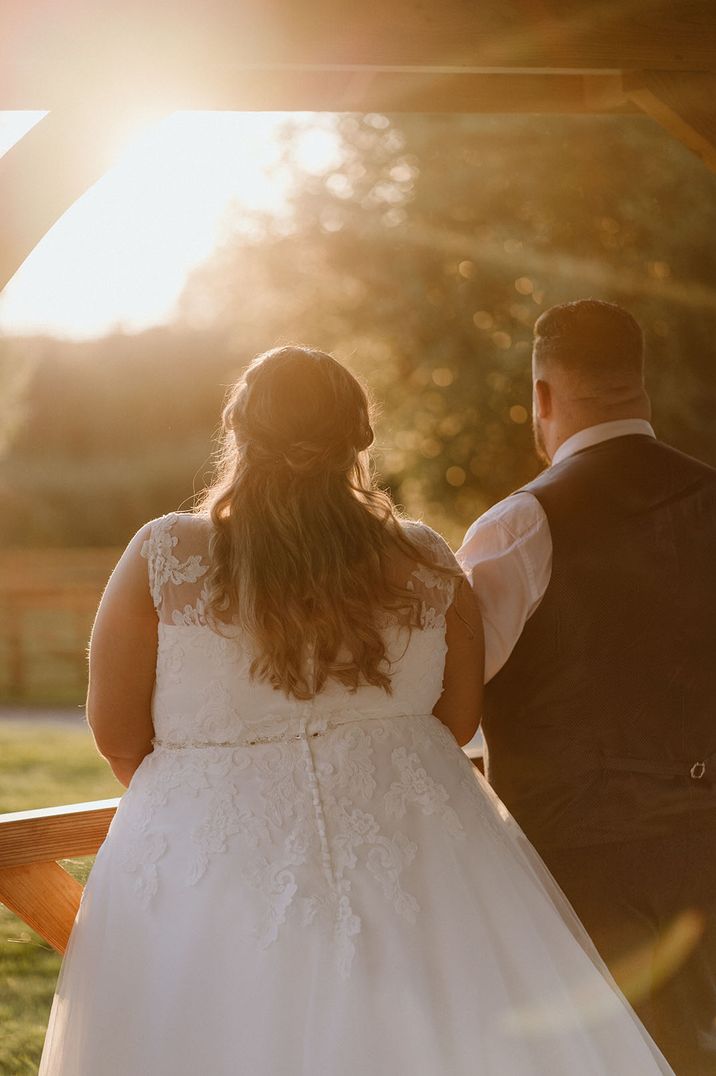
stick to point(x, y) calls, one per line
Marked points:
point(51, 833)
point(495, 56)
point(45, 897)
point(683, 103)
point(56, 53)
point(374, 90)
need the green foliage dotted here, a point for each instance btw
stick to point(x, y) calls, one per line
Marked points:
point(114, 433)
point(425, 257)
point(422, 258)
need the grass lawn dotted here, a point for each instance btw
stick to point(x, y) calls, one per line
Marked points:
point(41, 764)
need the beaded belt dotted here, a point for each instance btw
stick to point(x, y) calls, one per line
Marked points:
point(304, 733)
point(281, 737)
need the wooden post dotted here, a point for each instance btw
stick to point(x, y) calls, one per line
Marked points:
point(683, 103)
point(45, 896)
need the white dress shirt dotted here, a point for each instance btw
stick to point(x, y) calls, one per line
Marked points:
point(507, 552)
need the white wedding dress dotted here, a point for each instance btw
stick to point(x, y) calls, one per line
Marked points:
point(321, 888)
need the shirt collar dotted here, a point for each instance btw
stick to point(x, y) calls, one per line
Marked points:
point(605, 431)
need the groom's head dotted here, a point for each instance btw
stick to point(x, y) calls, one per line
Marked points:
point(588, 368)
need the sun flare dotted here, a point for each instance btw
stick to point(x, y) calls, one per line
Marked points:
point(121, 255)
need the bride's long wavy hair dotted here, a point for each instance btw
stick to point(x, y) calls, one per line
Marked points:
point(301, 534)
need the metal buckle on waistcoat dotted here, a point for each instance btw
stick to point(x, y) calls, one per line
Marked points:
point(697, 771)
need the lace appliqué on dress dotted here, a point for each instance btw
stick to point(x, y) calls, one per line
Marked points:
point(140, 853)
point(300, 813)
point(197, 614)
point(164, 567)
point(416, 787)
point(435, 589)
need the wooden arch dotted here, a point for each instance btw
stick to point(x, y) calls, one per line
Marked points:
point(98, 65)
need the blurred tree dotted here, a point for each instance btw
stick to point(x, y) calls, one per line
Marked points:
point(425, 256)
point(421, 258)
point(111, 433)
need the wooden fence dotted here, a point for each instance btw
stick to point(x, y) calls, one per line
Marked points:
point(48, 598)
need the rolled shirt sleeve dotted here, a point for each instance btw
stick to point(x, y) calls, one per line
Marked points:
point(507, 556)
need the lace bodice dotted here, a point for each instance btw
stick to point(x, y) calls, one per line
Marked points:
point(203, 689)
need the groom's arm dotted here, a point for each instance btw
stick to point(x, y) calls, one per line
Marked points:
point(507, 556)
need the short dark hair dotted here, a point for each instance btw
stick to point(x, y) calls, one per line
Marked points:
point(590, 336)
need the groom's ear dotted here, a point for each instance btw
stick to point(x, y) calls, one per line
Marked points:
point(543, 398)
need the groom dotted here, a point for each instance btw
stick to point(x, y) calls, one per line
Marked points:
point(597, 583)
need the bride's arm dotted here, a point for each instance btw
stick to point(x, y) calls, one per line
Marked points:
point(460, 705)
point(122, 664)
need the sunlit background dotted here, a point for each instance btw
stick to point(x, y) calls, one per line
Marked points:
point(418, 248)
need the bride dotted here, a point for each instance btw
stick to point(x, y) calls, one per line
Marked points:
point(305, 876)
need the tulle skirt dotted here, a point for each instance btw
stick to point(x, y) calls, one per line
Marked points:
point(419, 933)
